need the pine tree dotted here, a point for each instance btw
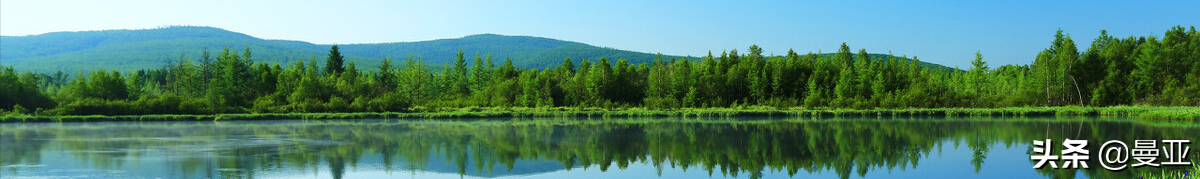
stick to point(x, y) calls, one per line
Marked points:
point(230, 88)
point(978, 79)
point(333, 64)
point(480, 74)
point(457, 76)
point(386, 79)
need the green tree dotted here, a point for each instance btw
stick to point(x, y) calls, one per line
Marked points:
point(1051, 70)
point(457, 75)
point(230, 88)
point(334, 63)
point(185, 78)
point(598, 80)
point(481, 75)
point(417, 82)
point(386, 77)
point(978, 79)
point(813, 97)
point(21, 90)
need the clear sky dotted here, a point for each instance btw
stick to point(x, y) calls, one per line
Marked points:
point(945, 32)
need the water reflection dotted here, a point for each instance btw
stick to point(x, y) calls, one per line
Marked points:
point(740, 148)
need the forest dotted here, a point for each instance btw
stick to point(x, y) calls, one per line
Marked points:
point(1135, 70)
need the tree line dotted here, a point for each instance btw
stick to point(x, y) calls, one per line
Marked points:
point(1136, 70)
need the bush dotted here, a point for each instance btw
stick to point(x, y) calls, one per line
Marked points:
point(661, 103)
point(337, 104)
point(388, 103)
point(264, 105)
point(18, 110)
point(93, 106)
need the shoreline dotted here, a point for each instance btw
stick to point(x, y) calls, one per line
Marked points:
point(1145, 113)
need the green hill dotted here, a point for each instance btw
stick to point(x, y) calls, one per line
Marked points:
point(525, 51)
point(150, 48)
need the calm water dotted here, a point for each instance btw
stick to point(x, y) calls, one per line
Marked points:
point(565, 148)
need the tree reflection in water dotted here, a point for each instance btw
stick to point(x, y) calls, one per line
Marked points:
point(738, 147)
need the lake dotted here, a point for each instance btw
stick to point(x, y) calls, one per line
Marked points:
point(887, 147)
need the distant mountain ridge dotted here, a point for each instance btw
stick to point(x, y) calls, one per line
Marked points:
point(151, 48)
point(128, 50)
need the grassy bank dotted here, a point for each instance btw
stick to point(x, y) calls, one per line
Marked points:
point(1166, 174)
point(1192, 114)
point(1157, 113)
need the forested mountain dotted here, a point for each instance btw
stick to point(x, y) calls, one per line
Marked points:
point(128, 50)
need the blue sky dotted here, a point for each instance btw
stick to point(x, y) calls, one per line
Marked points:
point(944, 32)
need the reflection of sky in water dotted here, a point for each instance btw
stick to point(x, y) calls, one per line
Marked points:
point(1002, 162)
point(164, 155)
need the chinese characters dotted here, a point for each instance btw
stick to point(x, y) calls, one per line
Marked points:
point(1114, 154)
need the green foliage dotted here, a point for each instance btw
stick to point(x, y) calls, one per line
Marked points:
point(1130, 71)
point(230, 89)
point(382, 112)
point(333, 64)
point(1190, 114)
point(99, 85)
point(18, 90)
